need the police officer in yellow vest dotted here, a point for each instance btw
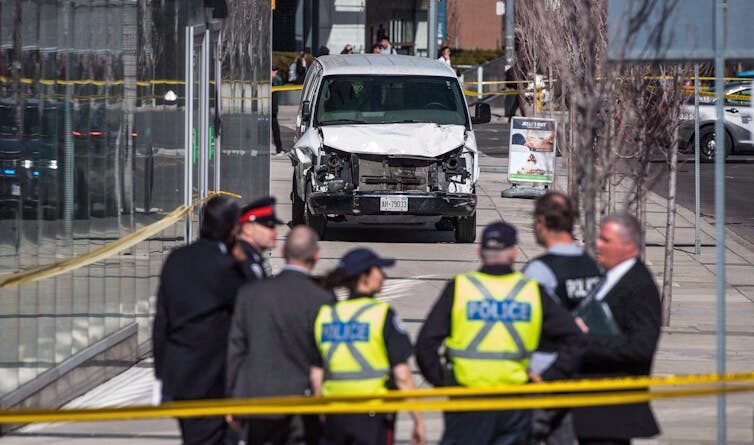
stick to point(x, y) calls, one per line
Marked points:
point(490, 322)
point(364, 350)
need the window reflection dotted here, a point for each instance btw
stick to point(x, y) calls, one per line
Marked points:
point(92, 102)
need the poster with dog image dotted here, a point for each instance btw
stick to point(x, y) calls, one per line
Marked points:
point(531, 157)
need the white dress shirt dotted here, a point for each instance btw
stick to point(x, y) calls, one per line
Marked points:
point(613, 276)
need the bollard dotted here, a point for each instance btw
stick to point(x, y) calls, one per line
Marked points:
point(479, 80)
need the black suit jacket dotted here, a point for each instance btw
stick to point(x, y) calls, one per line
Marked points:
point(198, 287)
point(635, 304)
point(271, 343)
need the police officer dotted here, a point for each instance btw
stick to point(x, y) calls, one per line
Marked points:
point(363, 346)
point(257, 234)
point(568, 274)
point(490, 322)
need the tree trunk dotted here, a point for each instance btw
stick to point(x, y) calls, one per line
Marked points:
point(667, 278)
point(571, 178)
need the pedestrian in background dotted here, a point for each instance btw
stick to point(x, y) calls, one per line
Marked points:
point(365, 350)
point(490, 321)
point(567, 274)
point(387, 48)
point(271, 348)
point(630, 292)
point(445, 55)
point(348, 49)
point(276, 81)
point(301, 66)
point(258, 232)
point(324, 51)
point(195, 300)
point(376, 48)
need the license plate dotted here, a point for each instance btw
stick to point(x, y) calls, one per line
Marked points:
point(394, 203)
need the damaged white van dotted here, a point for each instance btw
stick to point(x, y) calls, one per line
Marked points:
point(385, 139)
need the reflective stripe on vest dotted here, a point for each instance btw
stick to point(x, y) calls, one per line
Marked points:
point(472, 351)
point(352, 346)
point(496, 322)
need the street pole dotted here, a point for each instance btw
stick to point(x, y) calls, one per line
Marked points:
point(432, 31)
point(720, 208)
point(307, 26)
point(315, 28)
point(510, 36)
point(697, 203)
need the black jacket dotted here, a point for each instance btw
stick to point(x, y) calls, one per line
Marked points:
point(635, 304)
point(557, 326)
point(198, 287)
point(253, 267)
point(271, 343)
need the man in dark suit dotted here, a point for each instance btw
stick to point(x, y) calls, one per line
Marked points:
point(198, 287)
point(630, 292)
point(271, 344)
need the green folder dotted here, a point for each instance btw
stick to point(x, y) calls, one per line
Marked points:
point(598, 317)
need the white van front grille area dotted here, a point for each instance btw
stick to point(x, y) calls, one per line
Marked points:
point(379, 173)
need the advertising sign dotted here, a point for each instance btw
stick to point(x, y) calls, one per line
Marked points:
point(531, 157)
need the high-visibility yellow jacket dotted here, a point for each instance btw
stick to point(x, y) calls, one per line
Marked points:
point(349, 338)
point(496, 322)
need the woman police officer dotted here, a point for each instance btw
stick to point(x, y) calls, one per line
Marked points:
point(363, 347)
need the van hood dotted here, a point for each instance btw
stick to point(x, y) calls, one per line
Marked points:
point(426, 140)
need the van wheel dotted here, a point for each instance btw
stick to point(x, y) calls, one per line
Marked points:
point(466, 229)
point(298, 205)
point(318, 223)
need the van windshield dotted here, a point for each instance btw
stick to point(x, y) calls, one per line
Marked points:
point(390, 99)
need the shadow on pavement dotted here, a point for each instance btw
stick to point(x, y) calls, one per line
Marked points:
point(378, 233)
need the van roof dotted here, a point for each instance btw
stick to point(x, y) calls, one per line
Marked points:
point(377, 64)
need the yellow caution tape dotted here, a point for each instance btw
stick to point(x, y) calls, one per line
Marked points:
point(377, 403)
point(742, 97)
point(277, 88)
point(141, 83)
point(506, 82)
point(106, 251)
point(585, 385)
point(493, 93)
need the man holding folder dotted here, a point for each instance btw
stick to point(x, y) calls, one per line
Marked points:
point(623, 333)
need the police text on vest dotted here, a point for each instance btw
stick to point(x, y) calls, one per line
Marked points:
point(493, 310)
point(339, 332)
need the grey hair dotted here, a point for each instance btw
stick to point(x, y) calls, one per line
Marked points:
point(630, 227)
point(301, 244)
point(498, 256)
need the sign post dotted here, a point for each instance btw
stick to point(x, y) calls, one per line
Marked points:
point(720, 150)
point(697, 185)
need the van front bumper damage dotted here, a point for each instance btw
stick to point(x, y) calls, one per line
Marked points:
point(372, 203)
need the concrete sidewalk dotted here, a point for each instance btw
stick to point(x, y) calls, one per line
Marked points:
point(427, 258)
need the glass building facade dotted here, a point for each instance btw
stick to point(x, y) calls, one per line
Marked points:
point(112, 114)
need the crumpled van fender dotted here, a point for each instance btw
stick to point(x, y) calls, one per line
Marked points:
point(304, 155)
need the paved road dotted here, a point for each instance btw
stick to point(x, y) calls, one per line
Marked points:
point(739, 185)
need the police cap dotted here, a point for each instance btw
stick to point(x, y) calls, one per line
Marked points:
point(498, 236)
point(261, 211)
point(360, 260)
